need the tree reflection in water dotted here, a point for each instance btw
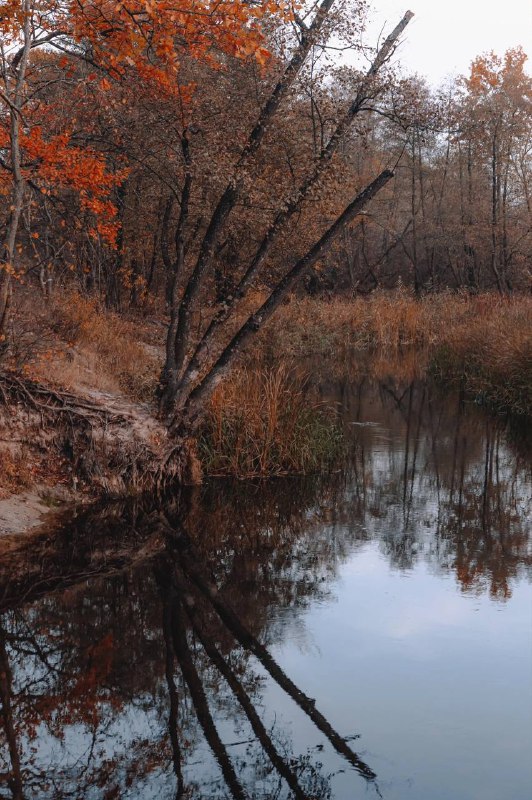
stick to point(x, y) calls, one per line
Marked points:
point(138, 635)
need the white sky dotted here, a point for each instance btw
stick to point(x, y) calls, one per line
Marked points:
point(446, 35)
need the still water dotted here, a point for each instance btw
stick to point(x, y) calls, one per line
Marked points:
point(367, 634)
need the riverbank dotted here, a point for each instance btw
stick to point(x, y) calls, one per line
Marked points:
point(481, 343)
point(77, 408)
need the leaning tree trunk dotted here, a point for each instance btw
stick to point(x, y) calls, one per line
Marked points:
point(291, 209)
point(186, 417)
point(181, 378)
point(180, 327)
point(179, 459)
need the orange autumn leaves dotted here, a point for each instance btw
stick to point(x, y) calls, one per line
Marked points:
point(491, 72)
point(61, 165)
point(140, 42)
point(150, 36)
point(53, 164)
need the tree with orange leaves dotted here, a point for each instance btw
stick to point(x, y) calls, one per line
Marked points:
point(41, 41)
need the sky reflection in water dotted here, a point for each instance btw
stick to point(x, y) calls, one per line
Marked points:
point(395, 595)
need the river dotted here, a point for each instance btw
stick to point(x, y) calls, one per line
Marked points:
point(362, 634)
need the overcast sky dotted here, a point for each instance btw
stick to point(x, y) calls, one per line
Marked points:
point(446, 35)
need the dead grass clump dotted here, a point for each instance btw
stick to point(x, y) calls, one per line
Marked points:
point(102, 345)
point(261, 424)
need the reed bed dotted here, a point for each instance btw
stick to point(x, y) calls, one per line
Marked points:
point(491, 358)
point(263, 423)
point(482, 342)
point(384, 320)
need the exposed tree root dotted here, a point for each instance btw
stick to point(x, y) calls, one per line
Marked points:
point(104, 442)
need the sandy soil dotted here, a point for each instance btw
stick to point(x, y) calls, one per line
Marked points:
point(22, 513)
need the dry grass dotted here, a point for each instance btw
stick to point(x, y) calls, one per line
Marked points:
point(75, 343)
point(483, 341)
point(384, 320)
point(491, 356)
point(261, 423)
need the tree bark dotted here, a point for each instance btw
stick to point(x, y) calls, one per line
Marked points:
point(186, 416)
point(15, 97)
point(293, 207)
point(170, 371)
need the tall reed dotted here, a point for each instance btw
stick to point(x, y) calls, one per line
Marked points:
point(491, 357)
point(482, 342)
point(262, 423)
point(385, 320)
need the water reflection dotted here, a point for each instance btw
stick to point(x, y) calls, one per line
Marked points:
point(77, 669)
point(444, 475)
point(141, 644)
